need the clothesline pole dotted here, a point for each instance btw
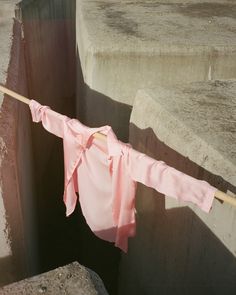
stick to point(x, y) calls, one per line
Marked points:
point(27, 101)
point(219, 194)
point(226, 198)
point(14, 94)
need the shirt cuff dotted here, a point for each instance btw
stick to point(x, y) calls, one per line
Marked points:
point(207, 203)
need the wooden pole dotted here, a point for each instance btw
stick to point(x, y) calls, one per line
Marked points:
point(219, 194)
point(226, 198)
point(14, 94)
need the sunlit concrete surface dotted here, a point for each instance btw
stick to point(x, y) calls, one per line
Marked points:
point(128, 45)
point(196, 120)
point(182, 249)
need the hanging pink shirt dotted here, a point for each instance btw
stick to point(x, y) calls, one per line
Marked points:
point(105, 173)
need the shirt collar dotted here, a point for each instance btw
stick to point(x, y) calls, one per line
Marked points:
point(84, 133)
point(113, 144)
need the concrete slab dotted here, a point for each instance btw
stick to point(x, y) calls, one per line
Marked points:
point(196, 120)
point(72, 279)
point(128, 45)
point(183, 250)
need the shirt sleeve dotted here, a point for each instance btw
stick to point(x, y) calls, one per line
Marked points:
point(52, 121)
point(169, 181)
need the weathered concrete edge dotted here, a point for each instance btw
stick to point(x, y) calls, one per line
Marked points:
point(157, 49)
point(93, 52)
point(70, 279)
point(167, 127)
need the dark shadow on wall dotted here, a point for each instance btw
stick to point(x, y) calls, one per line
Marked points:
point(16, 173)
point(51, 59)
point(7, 271)
point(95, 109)
point(174, 252)
point(67, 239)
point(146, 141)
point(62, 239)
point(49, 40)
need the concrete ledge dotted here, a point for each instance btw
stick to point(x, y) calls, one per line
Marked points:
point(72, 279)
point(196, 120)
point(128, 45)
point(182, 249)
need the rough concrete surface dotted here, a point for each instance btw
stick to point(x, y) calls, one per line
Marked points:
point(16, 171)
point(197, 120)
point(6, 34)
point(181, 249)
point(7, 12)
point(72, 279)
point(128, 45)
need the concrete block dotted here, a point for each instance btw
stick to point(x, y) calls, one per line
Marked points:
point(128, 45)
point(196, 120)
point(72, 279)
point(183, 250)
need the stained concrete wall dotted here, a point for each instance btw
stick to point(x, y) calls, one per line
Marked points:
point(6, 25)
point(17, 239)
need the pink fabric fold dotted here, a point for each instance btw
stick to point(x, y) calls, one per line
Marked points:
point(105, 174)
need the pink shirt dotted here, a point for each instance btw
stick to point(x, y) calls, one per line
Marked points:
point(105, 173)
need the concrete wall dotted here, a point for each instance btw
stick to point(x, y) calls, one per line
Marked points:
point(50, 58)
point(39, 62)
point(178, 248)
point(17, 239)
point(6, 27)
